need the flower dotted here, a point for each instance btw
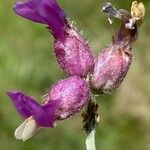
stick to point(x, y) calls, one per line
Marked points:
point(45, 12)
point(72, 51)
point(112, 64)
point(69, 96)
point(63, 100)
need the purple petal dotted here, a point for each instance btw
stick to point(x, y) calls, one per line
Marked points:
point(44, 11)
point(24, 10)
point(27, 106)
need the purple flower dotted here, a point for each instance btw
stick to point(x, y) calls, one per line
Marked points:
point(74, 55)
point(112, 64)
point(73, 94)
point(64, 99)
point(72, 51)
point(45, 12)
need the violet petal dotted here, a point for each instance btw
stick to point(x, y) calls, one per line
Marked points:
point(27, 106)
point(43, 11)
point(25, 11)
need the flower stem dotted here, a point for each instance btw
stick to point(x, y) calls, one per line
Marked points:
point(90, 121)
point(90, 140)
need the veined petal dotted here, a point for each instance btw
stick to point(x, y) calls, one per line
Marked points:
point(44, 11)
point(22, 103)
point(27, 106)
point(25, 11)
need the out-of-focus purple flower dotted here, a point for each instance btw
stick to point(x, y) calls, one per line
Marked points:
point(112, 64)
point(72, 51)
point(64, 99)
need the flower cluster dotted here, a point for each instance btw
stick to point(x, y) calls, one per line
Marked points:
point(74, 55)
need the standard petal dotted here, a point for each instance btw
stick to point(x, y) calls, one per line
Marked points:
point(22, 103)
point(24, 10)
point(46, 12)
point(27, 106)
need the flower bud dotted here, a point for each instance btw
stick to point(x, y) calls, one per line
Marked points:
point(72, 50)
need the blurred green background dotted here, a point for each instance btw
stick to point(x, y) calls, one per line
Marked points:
point(27, 63)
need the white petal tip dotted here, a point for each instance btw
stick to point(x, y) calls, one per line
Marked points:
point(26, 130)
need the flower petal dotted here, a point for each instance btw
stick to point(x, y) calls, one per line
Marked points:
point(27, 106)
point(43, 11)
point(26, 130)
point(25, 11)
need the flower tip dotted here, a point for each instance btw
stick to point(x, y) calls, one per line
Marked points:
point(12, 93)
point(18, 5)
point(26, 130)
point(8, 93)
